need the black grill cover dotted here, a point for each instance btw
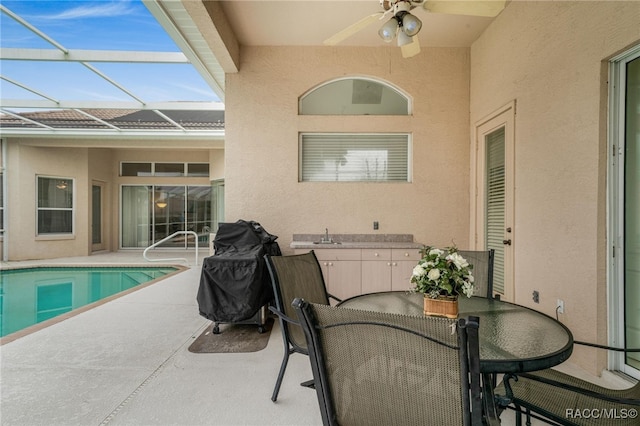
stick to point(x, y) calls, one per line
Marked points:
point(235, 282)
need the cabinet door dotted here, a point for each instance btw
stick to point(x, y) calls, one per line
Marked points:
point(344, 278)
point(401, 272)
point(376, 270)
point(376, 276)
point(402, 263)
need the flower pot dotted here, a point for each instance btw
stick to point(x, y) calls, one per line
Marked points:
point(441, 307)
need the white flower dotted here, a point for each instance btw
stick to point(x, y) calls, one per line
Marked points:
point(436, 251)
point(419, 271)
point(467, 289)
point(458, 260)
point(434, 274)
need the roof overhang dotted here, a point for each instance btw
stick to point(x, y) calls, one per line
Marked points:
point(202, 33)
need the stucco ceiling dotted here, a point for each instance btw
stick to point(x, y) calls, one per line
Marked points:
point(309, 23)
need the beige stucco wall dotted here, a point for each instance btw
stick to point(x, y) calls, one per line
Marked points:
point(28, 158)
point(24, 164)
point(261, 147)
point(549, 56)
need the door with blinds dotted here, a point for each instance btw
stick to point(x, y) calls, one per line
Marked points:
point(492, 205)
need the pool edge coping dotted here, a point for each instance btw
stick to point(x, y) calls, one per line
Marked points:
point(55, 320)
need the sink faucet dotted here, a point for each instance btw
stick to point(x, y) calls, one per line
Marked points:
point(326, 238)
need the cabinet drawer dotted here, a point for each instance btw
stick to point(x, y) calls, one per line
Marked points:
point(338, 254)
point(406, 254)
point(376, 254)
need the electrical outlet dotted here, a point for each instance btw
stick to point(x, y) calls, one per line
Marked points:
point(375, 225)
point(536, 296)
point(560, 306)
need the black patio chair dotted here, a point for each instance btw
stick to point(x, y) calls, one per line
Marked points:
point(375, 368)
point(294, 276)
point(560, 399)
point(482, 262)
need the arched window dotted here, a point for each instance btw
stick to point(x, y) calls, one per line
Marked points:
point(329, 156)
point(354, 96)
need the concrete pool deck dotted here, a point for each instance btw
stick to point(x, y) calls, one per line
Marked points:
point(126, 362)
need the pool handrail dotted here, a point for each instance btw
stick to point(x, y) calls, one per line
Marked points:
point(144, 253)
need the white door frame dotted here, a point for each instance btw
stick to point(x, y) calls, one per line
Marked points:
point(502, 117)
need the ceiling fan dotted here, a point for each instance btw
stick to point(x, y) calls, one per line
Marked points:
point(405, 26)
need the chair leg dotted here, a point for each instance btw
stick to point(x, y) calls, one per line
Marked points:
point(518, 415)
point(283, 367)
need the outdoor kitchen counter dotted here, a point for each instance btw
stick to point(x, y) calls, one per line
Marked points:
point(362, 263)
point(310, 245)
point(354, 241)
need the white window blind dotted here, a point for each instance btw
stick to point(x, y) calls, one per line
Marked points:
point(495, 204)
point(354, 157)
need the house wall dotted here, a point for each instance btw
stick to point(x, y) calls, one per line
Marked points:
point(25, 162)
point(28, 158)
point(261, 144)
point(551, 58)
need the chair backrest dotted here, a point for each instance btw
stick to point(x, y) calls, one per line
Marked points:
point(382, 368)
point(482, 262)
point(293, 276)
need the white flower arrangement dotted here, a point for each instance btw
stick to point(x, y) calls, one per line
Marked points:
point(442, 273)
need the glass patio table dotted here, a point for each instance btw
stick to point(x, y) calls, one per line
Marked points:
point(513, 338)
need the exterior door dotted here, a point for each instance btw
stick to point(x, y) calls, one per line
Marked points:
point(492, 198)
point(624, 309)
point(97, 226)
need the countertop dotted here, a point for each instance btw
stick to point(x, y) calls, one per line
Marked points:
point(356, 245)
point(356, 241)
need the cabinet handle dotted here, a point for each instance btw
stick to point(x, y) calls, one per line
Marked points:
point(330, 263)
point(395, 263)
point(376, 254)
point(325, 264)
point(406, 254)
point(388, 263)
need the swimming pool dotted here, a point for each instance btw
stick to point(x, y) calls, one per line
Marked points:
point(30, 296)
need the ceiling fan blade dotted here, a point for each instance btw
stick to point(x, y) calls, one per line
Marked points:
point(352, 29)
point(411, 49)
point(489, 8)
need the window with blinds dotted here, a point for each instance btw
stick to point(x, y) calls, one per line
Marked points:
point(495, 203)
point(354, 157)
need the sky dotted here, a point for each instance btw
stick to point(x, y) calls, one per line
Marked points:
point(94, 25)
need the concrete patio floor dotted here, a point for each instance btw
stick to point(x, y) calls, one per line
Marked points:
point(126, 362)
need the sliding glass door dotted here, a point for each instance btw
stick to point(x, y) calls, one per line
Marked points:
point(625, 207)
point(151, 213)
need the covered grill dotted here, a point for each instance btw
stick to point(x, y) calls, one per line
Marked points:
point(235, 286)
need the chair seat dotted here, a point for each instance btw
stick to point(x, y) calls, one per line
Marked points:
point(572, 401)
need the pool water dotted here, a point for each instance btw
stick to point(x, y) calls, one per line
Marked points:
point(33, 295)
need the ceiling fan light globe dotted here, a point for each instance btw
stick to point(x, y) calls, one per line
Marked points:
point(388, 30)
point(411, 25)
point(403, 38)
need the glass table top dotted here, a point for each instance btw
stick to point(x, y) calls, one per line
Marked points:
point(513, 338)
